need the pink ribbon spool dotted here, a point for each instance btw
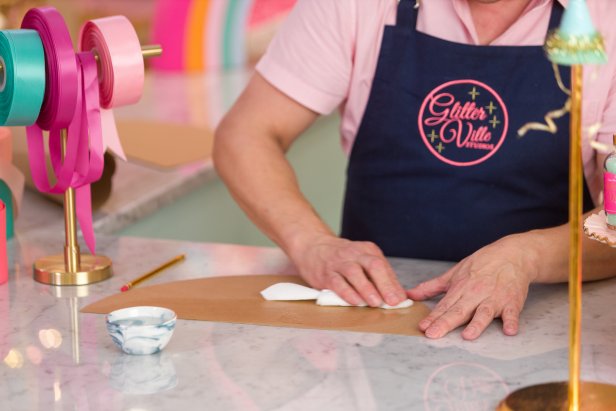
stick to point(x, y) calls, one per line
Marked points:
point(71, 102)
point(121, 75)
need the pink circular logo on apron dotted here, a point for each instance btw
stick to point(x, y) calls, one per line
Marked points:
point(463, 122)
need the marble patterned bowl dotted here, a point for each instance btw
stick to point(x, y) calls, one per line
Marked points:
point(141, 330)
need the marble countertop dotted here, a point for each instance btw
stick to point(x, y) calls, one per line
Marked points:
point(55, 358)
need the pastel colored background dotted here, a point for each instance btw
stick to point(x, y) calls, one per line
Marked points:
point(197, 35)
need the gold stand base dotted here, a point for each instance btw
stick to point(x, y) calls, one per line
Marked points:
point(52, 270)
point(554, 397)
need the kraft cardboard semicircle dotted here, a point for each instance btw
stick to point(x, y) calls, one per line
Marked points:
point(165, 145)
point(237, 299)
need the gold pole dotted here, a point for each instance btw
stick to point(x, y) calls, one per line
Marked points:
point(571, 45)
point(71, 247)
point(151, 50)
point(572, 395)
point(575, 234)
point(147, 51)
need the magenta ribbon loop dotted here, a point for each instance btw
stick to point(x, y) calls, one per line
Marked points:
point(59, 102)
point(61, 67)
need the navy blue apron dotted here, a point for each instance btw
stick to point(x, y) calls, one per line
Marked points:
point(437, 169)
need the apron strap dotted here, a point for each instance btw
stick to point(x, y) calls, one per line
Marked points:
point(556, 15)
point(407, 15)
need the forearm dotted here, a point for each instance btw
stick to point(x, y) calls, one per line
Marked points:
point(249, 155)
point(552, 247)
point(263, 183)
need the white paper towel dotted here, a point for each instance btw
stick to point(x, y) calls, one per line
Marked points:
point(296, 292)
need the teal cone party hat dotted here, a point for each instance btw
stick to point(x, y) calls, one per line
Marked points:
point(576, 41)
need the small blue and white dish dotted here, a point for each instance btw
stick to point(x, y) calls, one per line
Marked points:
point(141, 330)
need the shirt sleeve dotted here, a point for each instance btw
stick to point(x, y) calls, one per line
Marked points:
point(310, 58)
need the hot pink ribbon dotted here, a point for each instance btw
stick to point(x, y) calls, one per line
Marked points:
point(71, 102)
point(121, 75)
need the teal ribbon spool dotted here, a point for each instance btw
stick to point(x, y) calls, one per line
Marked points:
point(22, 78)
point(7, 198)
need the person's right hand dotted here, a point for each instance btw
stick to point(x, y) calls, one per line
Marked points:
point(355, 270)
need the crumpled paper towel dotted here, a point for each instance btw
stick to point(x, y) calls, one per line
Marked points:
point(296, 292)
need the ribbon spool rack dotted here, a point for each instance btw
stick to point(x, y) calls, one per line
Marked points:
point(73, 267)
point(46, 85)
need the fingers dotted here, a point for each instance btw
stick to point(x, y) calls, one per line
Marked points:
point(362, 268)
point(511, 319)
point(372, 279)
point(484, 315)
point(444, 318)
point(340, 286)
point(430, 288)
point(355, 275)
point(384, 278)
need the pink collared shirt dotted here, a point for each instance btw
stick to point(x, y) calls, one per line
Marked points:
point(325, 54)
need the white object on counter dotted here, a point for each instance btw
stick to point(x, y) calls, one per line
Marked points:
point(289, 292)
point(296, 292)
point(141, 330)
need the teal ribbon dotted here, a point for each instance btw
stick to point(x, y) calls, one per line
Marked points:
point(7, 198)
point(22, 83)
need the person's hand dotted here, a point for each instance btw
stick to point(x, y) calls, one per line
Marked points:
point(493, 282)
point(356, 271)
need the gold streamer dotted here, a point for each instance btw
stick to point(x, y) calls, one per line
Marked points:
point(559, 80)
point(549, 125)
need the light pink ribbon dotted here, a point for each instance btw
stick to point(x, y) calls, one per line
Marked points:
point(121, 76)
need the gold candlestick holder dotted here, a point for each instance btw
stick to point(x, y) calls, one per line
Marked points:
point(575, 43)
point(72, 267)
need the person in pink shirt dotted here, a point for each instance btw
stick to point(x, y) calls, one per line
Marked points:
point(432, 100)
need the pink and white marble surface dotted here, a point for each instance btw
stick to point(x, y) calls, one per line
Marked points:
point(54, 358)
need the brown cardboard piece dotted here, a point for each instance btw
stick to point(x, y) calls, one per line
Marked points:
point(236, 299)
point(165, 145)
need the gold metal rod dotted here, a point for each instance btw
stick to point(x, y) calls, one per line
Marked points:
point(71, 247)
point(575, 244)
point(151, 50)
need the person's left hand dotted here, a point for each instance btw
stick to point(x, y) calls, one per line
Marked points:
point(493, 282)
